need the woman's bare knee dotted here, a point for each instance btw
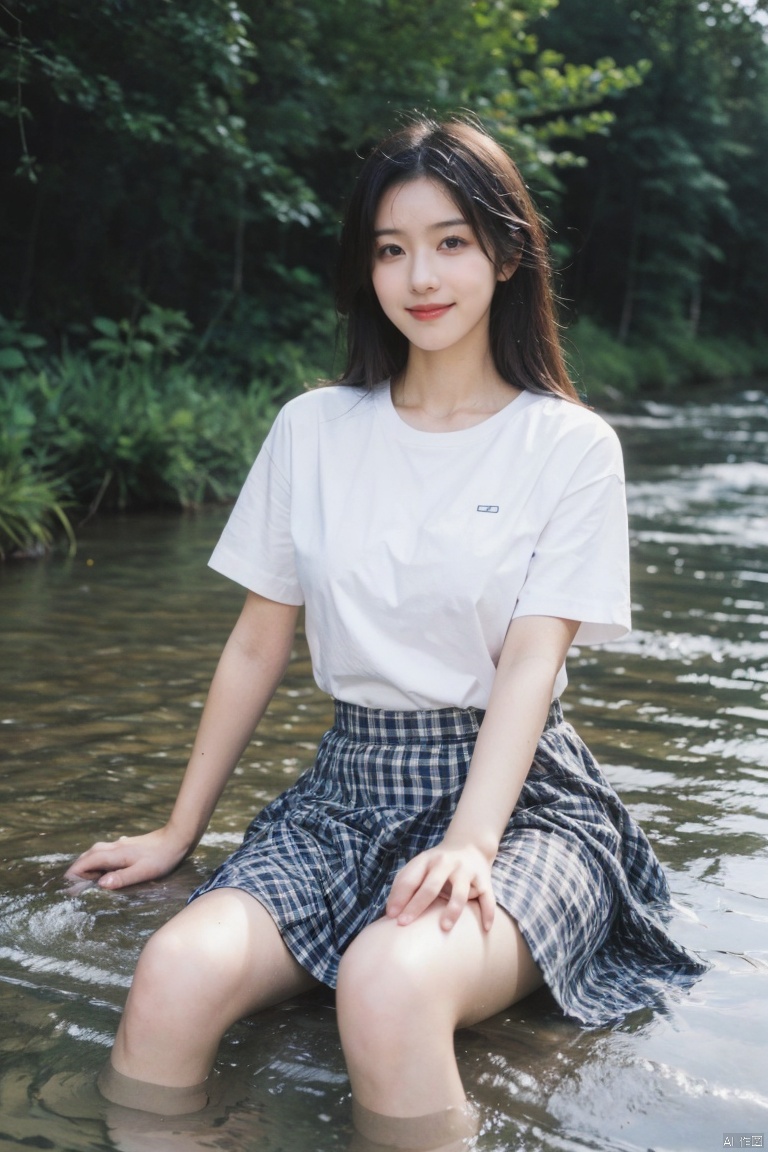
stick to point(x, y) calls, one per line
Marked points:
point(170, 1006)
point(396, 1022)
point(383, 977)
point(397, 980)
point(219, 959)
point(393, 996)
point(186, 962)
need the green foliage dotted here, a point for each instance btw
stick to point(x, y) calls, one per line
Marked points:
point(600, 367)
point(280, 345)
point(668, 219)
point(121, 427)
point(125, 436)
point(159, 332)
point(199, 154)
point(608, 371)
point(32, 503)
point(15, 345)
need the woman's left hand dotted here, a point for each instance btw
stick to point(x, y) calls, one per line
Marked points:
point(453, 875)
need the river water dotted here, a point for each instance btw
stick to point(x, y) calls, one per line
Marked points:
point(105, 663)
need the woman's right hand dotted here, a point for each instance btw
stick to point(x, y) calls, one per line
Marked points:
point(130, 859)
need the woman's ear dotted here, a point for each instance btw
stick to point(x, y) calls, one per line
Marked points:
point(508, 269)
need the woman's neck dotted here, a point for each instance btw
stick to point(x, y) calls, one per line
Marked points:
point(443, 394)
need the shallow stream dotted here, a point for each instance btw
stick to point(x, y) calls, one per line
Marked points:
point(104, 666)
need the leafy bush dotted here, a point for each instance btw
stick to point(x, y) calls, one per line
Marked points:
point(31, 505)
point(605, 370)
point(282, 339)
point(16, 344)
point(705, 359)
point(118, 428)
point(159, 332)
point(129, 437)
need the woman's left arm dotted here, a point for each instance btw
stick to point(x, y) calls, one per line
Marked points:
point(459, 868)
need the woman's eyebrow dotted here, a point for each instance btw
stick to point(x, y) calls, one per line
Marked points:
point(434, 227)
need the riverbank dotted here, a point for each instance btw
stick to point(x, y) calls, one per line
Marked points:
point(123, 426)
point(612, 373)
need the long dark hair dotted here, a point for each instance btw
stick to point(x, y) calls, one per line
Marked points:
point(489, 191)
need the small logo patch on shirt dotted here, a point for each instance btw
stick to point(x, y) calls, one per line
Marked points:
point(487, 507)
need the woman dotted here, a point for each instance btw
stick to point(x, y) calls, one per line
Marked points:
point(452, 518)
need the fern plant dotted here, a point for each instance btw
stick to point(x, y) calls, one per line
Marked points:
point(31, 505)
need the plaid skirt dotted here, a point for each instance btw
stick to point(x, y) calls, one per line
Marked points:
point(574, 870)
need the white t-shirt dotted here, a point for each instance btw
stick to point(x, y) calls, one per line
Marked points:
point(413, 550)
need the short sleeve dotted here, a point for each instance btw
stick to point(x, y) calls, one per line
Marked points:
point(579, 569)
point(256, 547)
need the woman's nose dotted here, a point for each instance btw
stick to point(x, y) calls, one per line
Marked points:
point(424, 272)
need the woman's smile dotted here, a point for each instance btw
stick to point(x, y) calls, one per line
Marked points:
point(428, 311)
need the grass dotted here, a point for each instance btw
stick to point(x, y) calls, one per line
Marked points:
point(77, 436)
point(32, 508)
point(608, 371)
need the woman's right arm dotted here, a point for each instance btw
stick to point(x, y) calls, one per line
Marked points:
point(251, 666)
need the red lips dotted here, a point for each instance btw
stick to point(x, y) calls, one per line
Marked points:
point(428, 311)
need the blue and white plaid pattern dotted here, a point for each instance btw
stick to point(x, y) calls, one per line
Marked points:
point(573, 869)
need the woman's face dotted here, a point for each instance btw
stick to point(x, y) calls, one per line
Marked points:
point(430, 273)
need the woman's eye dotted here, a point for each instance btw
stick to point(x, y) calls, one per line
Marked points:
point(389, 250)
point(453, 242)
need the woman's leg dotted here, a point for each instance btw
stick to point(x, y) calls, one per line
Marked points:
point(402, 993)
point(221, 958)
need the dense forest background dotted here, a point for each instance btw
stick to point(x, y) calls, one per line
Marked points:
point(172, 179)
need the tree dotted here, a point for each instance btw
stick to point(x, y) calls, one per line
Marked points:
point(198, 155)
point(661, 214)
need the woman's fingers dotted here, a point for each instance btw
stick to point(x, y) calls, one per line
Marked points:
point(102, 857)
point(406, 883)
point(454, 876)
point(456, 904)
point(423, 895)
point(487, 902)
point(126, 874)
point(128, 860)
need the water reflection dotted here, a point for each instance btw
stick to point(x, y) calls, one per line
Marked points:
point(106, 661)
